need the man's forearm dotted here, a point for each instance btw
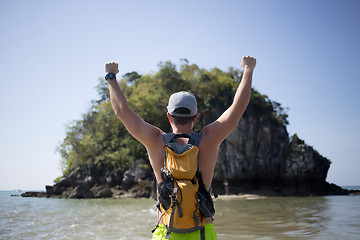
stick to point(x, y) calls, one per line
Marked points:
point(243, 92)
point(117, 98)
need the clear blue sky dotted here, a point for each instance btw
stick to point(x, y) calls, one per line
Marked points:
point(53, 52)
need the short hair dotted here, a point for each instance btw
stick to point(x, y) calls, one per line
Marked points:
point(182, 120)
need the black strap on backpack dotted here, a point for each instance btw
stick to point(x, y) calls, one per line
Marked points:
point(196, 137)
point(202, 234)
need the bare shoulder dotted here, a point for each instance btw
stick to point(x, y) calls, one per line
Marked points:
point(154, 139)
point(210, 136)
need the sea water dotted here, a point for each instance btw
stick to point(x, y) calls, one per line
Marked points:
point(237, 217)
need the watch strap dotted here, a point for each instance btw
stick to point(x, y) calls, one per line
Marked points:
point(110, 76)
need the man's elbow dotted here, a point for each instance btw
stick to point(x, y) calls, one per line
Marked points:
point(119, 109)
point(247, 101)
point(244, 103)
point(241, 106)
point(119, 112)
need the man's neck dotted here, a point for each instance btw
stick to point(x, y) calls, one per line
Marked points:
point(182, 129)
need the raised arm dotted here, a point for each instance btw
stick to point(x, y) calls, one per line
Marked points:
point(217, 131)
point(136, 126)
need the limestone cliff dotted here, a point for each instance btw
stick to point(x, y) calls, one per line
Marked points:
point(259, 157)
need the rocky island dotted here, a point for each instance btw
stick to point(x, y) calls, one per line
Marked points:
point(102, 161)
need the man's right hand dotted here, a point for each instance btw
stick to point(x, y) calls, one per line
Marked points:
point(112, 67)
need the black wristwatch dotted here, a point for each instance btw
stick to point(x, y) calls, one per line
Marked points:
point(110, 76)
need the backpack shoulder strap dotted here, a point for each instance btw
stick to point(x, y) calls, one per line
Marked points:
point(167, 137)
point(196, 137)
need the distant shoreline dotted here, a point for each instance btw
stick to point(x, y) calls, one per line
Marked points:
point(351, 187)
point(347, 187)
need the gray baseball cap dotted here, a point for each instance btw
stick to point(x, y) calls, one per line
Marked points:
point(182, 100)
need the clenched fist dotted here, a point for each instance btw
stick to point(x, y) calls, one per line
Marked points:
point(112, 67)
point(248, 62)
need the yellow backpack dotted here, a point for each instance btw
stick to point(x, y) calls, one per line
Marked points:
point(184, 201)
